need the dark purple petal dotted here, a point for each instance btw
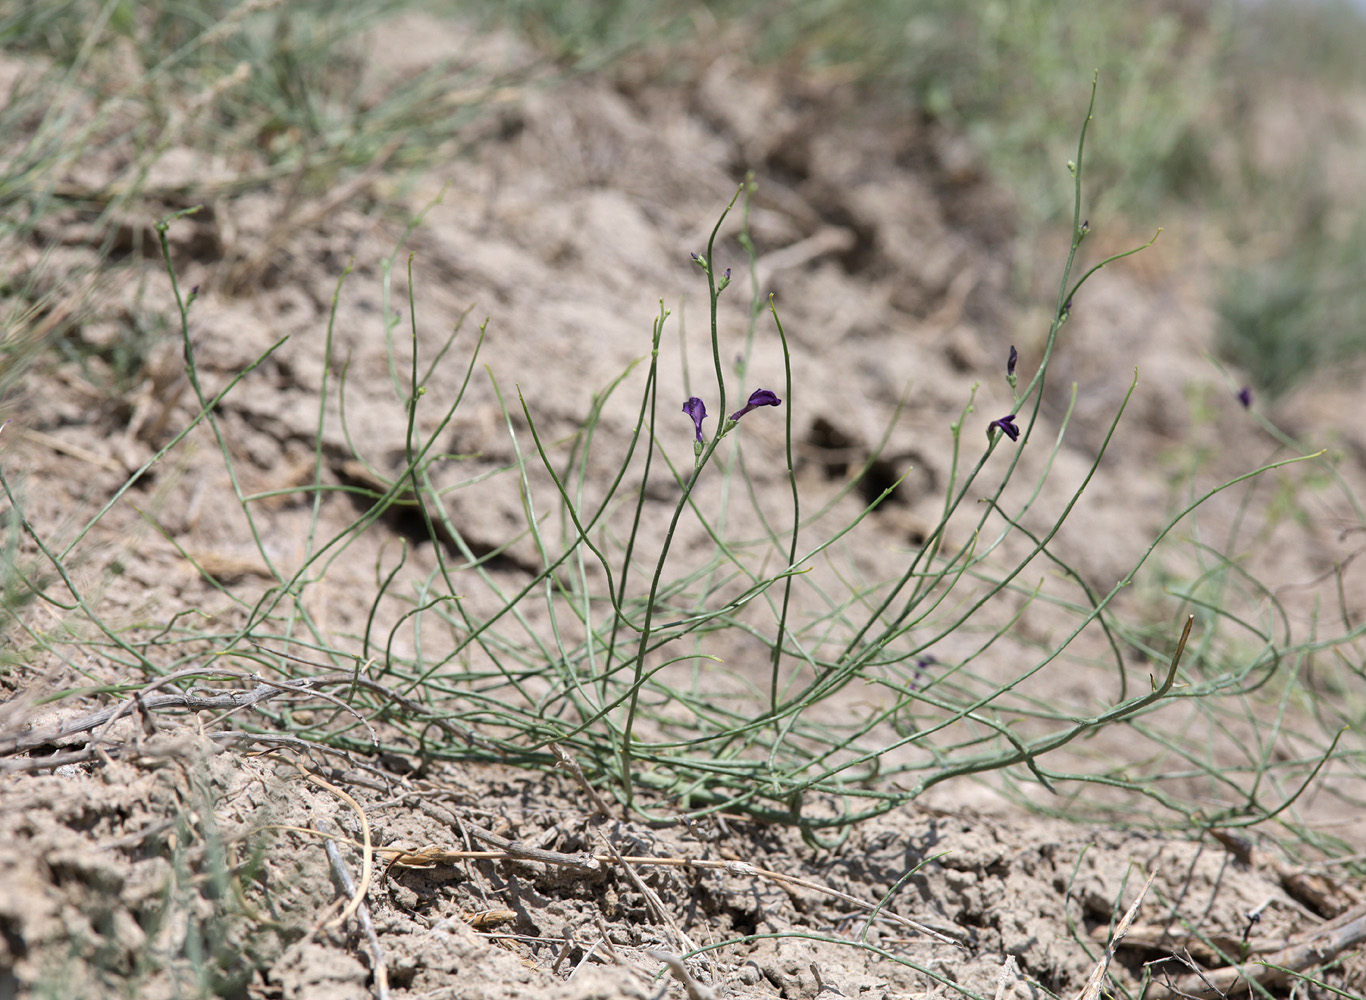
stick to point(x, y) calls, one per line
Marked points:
point(1245, 396)
point(1010, 362)
point(759, 397)
point(696, 409)
point(918, 670)
point(1007, 426)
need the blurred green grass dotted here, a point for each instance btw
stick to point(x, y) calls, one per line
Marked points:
point(264, 95)
point(1186, 90)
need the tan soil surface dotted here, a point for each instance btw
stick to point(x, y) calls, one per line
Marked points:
point(185, 863)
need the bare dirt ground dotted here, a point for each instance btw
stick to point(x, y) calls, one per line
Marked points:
point(185, 863)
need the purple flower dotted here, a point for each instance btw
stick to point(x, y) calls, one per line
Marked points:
point(1010, 362)
point(918, 670)
point(1245, 396)
point(696, 409)
point(759, 397)
point(1007, 426)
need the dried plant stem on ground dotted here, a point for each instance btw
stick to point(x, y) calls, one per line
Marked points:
point(1269, 967)
point(349, 886)
point(1094, 984)
point(430, 856)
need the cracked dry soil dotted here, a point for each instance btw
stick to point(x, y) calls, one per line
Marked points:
point(183, 860)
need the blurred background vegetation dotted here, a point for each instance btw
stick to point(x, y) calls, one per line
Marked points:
point(1243, 123)
point(1238, 124)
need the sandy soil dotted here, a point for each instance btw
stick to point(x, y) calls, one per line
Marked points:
point(181, 861)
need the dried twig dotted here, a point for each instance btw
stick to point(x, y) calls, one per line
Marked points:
point(572, 766)
point(1010, 973)
point(378, 966)
point(1097, 978)
point(696, 990)
point(226, 701)
point(144, 701)
point(430, 857)
point(1318, 947)
point(75, 451)
point(104, 717)
point(651, 898)
point(523, 852)
point(367, 849)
